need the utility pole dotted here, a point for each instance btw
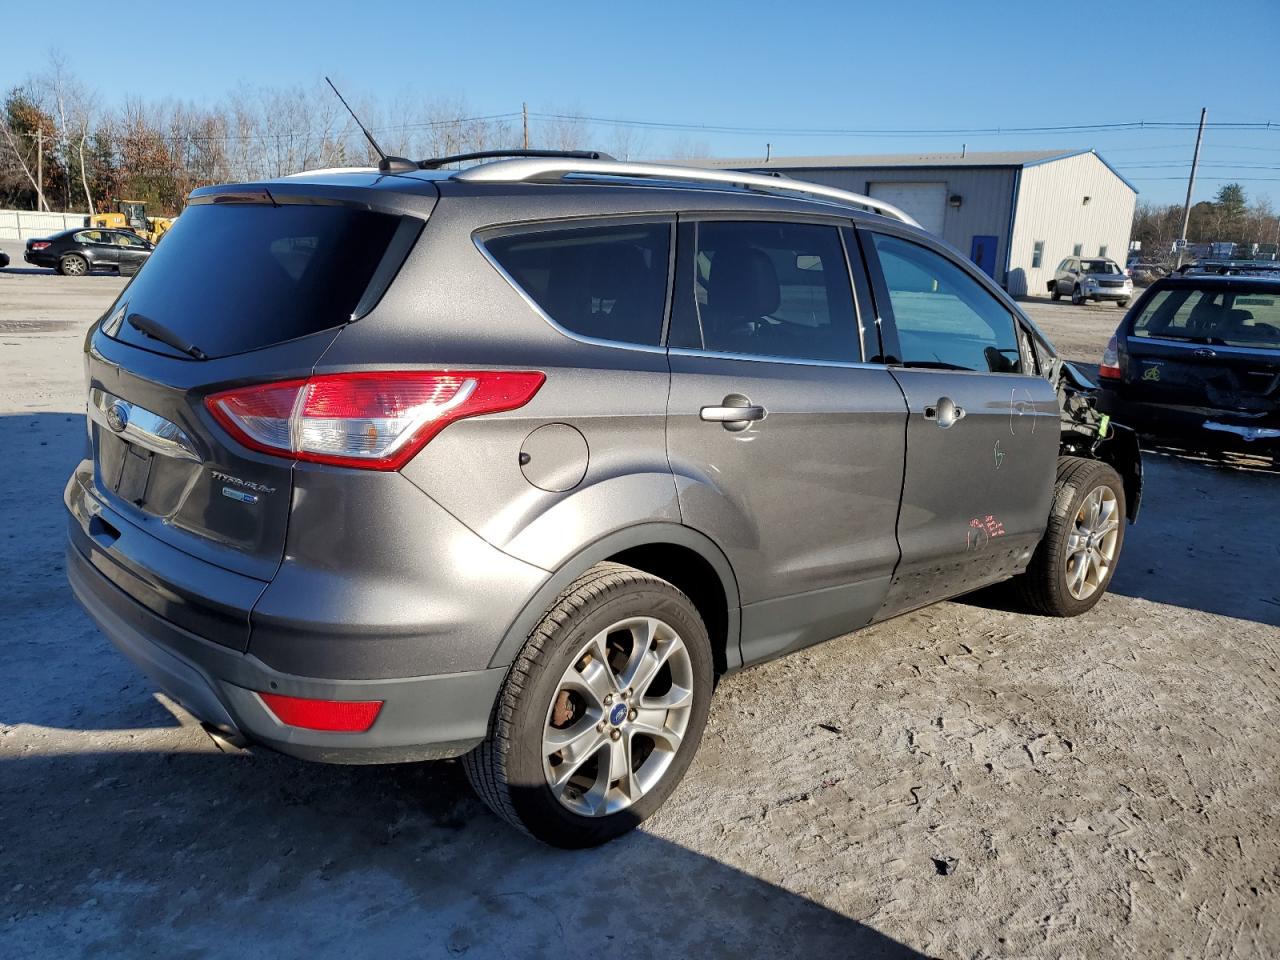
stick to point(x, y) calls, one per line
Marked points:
point(1191, 184)
point(524, 112)
point(40, 204)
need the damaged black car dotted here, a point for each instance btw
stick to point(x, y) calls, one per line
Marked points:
point(1196, 364)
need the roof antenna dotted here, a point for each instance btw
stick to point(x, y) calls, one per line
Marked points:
point(386, 164)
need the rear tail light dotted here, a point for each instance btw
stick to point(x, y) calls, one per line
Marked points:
point(39, 244)
point(1109, 368)
point(376, 420)
point(335, 716)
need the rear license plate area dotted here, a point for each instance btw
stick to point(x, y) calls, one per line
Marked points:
point(135, 472)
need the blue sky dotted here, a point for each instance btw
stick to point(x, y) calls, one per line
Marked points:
point(782, 68)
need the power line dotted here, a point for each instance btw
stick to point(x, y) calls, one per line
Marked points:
point(1183, 164)
point(345, 131)
point(1216, 179)
point(912, 132)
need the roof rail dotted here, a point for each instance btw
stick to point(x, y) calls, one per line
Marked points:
point(436, 162)
point(552, 169)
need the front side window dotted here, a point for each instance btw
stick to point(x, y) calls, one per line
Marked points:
point(945, 319)
point(1225, 317)
point(775, 290)
point(607, 283)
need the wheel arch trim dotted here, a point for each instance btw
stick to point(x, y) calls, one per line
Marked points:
point(655, 533)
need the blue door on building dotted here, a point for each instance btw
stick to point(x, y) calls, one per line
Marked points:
point(983, 253)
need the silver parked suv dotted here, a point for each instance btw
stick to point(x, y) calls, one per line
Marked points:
point(1091, 278)
point(512, 462)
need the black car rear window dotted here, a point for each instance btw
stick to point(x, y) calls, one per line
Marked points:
point(608, 283)
point(230, 278)
point(1213, 314)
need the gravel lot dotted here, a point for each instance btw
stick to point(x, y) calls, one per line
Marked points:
point(964, 781)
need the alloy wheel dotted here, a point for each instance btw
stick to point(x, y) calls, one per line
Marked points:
point(618, 717)
point(1091, 545)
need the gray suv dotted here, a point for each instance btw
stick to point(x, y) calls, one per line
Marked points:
point(513, 462)
point(1091, 278)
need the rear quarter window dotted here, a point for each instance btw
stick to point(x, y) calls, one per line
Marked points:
point(236, 277)
point(603, 282)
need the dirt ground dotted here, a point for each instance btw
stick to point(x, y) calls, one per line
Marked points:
point(965, 781)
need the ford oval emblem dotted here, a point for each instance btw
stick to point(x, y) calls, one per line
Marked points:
point(118, 416)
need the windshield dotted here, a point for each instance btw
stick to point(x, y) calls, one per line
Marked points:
point(1227, 317)
point(1099, 266)
point(235, 277)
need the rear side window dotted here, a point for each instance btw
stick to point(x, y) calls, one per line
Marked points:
point(236, 277)
point(607, 283)
point(775, 290)
point(1227, 317)
point(945, 319)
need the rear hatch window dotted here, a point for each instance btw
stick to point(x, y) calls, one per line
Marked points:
point(229, 278)
point(1228, 317)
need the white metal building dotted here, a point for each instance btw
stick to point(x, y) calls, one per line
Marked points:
point(1017, 214)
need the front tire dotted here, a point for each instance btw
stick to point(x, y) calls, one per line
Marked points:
point(1122, 304)
point(1076, 558)
point(1078, 297)
point(601, 712)
point(73, 265)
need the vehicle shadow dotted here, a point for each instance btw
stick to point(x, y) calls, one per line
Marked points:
point(212, 855)
point(50, 271)
point(125, 831)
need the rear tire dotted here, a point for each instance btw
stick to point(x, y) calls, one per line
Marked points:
point(1054, 292)
point(73, 265)
point(572, 797)
point(1077, 537)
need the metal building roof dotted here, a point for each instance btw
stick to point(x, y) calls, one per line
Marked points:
point(969, 158)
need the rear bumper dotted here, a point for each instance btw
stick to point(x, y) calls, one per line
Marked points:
point(1198, 428)
point(422, 718)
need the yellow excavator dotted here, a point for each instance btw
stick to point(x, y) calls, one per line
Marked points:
point(131, 215)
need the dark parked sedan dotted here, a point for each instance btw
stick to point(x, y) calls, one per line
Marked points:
point(75, 253)
point(1197, 362)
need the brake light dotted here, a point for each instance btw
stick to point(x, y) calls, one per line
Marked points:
point(374, 420)
point(40, 244)
point(1109, 368)
point(335, 716)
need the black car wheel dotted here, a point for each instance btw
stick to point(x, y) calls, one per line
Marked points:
point(1073, 563)
point(1122, 304)
point(73, 265)
point(601, 712)
point(1054, 292)
point(1077, 296)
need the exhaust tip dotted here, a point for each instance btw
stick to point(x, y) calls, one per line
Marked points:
point(228, 741)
